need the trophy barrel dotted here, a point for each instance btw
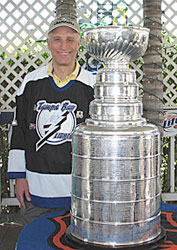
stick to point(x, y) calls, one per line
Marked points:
point(116, 185)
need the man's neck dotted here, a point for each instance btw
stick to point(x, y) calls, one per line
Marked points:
point(63, 71)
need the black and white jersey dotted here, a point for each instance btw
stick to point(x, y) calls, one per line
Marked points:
point(46, 117)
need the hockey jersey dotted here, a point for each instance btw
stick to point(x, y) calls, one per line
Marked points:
point(45, 119)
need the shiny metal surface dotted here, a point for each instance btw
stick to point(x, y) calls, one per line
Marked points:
point(116, 234)
point(116, 74)
point(117, 124)
point(107, 92)
point(114, 111)
point(104, 142)
point(88, 189)
point(116, 154)
point(120, 43)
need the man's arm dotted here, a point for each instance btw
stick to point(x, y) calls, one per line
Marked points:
point(17, 159)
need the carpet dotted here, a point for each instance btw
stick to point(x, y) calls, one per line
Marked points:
point(48, 232)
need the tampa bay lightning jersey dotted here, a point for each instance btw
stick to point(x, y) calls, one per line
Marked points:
point(46, 116)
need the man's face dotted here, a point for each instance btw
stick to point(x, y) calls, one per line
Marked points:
point(63, 42)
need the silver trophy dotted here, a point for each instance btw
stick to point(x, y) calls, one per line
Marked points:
point(116, 153)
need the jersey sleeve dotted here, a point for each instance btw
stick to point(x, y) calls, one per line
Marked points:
point(16, 162)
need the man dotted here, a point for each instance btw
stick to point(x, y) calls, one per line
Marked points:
point(51, 101)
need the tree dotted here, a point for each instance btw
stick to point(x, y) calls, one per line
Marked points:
point(152, 80)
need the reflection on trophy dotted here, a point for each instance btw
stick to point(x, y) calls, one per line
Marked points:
point(116, 153)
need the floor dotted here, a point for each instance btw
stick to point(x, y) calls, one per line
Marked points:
point(10, 227)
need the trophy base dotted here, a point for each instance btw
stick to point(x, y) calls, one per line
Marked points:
point(82, 245)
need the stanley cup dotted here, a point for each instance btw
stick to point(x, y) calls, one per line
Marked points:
point(116, 153)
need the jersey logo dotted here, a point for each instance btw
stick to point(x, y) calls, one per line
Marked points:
point(55, 122)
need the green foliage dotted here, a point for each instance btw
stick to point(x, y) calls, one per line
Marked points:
point(4, 150)
point(168, 44)
point(165, 165)
point(24, 53)
point(170, 49)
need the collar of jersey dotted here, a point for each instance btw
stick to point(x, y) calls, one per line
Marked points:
point(56, 80)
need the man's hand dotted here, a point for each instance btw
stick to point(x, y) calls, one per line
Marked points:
point(21, 189)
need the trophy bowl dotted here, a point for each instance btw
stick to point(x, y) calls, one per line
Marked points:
point(120, 43)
